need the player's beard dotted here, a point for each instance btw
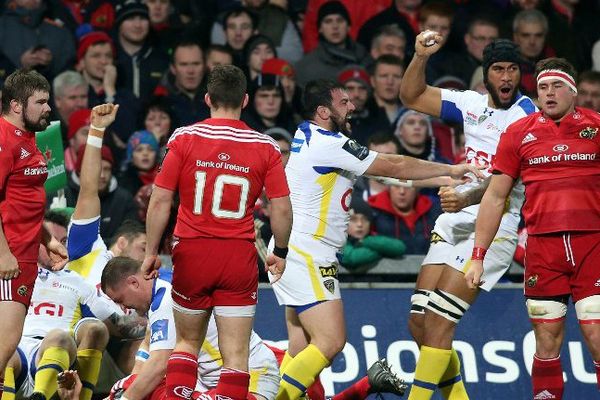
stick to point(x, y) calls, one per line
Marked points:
point(339, 123)
point(35, 126)
point(493, 91)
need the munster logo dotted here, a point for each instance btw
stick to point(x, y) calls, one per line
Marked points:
point(588, 133)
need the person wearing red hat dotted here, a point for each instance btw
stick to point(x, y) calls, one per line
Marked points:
point(287, 77)
point(79, 126)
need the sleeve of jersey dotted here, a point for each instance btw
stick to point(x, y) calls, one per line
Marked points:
point(452, 105)
point(168, 174)
point(83, 233)
point(340, 152)
point(162, 324)
point(6, 166)
point(275, 181)
point(507, 160)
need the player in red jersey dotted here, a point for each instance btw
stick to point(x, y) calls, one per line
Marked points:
point(23, 172)
point(218, 167)
point(556, 152)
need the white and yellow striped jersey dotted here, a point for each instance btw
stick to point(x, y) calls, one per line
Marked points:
point(322, 168)
point(60, 300)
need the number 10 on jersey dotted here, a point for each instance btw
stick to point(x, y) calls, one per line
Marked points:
point(217, 198)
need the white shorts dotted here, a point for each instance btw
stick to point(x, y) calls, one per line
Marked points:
point(452, 244)
point(28, 350)
point(311, 273)
point(264, 374)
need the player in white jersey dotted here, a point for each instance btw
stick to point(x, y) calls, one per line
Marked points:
point(64, 324)
point(441, 295)
point(321, 171)
point(124, 282)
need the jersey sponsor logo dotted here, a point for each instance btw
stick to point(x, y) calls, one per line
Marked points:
point(588, 133)
point(597, 284)
point(528, 138)
point(224, 157)
point(560, 148)
point(46, 308)
point(35, 171)
point(222, 165)
point(357, 150)
point(486, 113)
point(24, 153)
point(329, 272)
point(562, 157)
point(159, 330)
point(329, 285)
point(183, 391)
point(471, 119)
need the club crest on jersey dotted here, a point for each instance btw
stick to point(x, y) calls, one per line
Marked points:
point(532, 281)
point(329, 285)
point(435, 238)
point(22, 290)
point(588, 133)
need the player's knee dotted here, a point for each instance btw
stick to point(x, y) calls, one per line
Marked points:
point(59, 338)
point(93, 334)
point(546, 310)
point(447, 305)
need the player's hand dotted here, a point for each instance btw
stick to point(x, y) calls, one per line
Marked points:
point(458, 171)
point(451, 200)
point(150, 266)
point(275, 266)
point(104, 115)
point(69, 385)
point(58, 254)
point(9, 267)
point(423, 46)
point(473, 275)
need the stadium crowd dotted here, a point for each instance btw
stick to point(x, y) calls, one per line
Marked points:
point(124, 75)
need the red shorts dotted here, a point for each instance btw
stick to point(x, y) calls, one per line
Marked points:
point(211, 272)
point(20, 289)
point(562, 264)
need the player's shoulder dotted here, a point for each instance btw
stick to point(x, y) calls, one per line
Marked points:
point(465, 97)
point(160, 295)
point(524, 106)
point(315, 133)
point(587, 113)
point(523, 125)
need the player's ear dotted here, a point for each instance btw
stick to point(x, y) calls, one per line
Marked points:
point(207, 100)
point(323, 112)
point(246, 100)
point(16, 106)
point(132, 280)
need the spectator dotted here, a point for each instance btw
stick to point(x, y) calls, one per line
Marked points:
point(477, 84)
point(335, 49)
point(388, 40)
point(70, 92)
point(357, 83)
point(159, 119)
point(140, 166)
point(30, 41)
point(140, 65)
point(116, 204)
point(386, 79)
point(287, 75)
point(79, 126)
point(218, 54)
point(362, 251)
point(267, 108)
point(98, 14)
point(403, 213)
point(588, 90)
point(95, 62)
point(530, 29)
point(184, 83)
point(239, 24)
point(257, 50)
point(415, 134)
point(402, 13)
point(165, 24)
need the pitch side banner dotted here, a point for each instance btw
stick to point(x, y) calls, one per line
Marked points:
point(494, 340)
point(50, 144)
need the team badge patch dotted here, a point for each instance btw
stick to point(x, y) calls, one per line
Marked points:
point(357, 150)
point(532, 281)
point(22, 290)
point(329, 285)
point(435, 238)
point(588, 133)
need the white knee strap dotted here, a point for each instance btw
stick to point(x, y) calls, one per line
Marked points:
point(546, 310)
point(447, 305)
point(588, 309)
point(419, 300)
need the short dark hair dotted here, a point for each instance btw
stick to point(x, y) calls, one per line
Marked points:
point(21, 85)
point(186, 42)
point(556, 63)
point(236, 12)
point(589, 76)
point(57, 218)
point(382, 137)
point(437, 8)
point(484, 20)
point(218, 48)
point(387, 59)
point(130, 230)
point(116, 270)
point(226, 86)
point(318, 93)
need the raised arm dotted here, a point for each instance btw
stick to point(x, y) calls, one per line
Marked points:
point(414, 91)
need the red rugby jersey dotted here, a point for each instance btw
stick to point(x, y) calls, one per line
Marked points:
point(560, 167)
point(219, 168)
point(23, 172)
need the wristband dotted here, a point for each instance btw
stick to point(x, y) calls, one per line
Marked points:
point(94, 141)
point(96, 128)
point(478, 253)
point(280, 252)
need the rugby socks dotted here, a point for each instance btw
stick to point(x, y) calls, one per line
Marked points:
point(233, 384)
point(451, 384)
point(9, 390)
point(431, 366)
point(284, 363)
point(358, 391)
point(182, 370)
point(88, 361)
point(596, 365)
point(547, 378)
point(54, 361)
point(300, 373)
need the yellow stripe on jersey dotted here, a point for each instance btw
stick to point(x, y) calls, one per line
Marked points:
point(255, 375)
point(77, 315)
point(314, 280)
point(212, 352)
point(84, 265)
point(327, 182)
